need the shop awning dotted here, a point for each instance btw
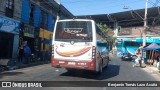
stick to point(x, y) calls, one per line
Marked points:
point(152, 46)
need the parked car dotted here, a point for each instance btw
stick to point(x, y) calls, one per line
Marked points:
point(127, 57)
point(134, 57)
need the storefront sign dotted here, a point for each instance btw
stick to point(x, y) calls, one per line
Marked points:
point(9, 25)
point(28, 31)
point(45, 34)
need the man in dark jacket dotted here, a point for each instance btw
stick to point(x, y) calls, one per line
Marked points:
point(27, 53)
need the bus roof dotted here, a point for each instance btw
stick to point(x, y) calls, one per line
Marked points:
point(75, 20)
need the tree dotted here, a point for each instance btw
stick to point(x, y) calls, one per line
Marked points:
point(107, 31)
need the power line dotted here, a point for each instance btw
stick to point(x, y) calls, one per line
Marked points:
point(154, 4)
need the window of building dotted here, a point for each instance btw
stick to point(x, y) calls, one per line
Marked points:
point(42, 23)
point(31, 14)
point(44, 20)
point(9, 8)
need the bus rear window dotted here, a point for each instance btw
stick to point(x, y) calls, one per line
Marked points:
point(80, 31)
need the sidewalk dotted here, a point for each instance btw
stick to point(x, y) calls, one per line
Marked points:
point(32, 64)
point(153, 71)
point(18, 65)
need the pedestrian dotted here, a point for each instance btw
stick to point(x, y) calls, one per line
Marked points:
point(139, 57)
point(27, 53)
point(20, 54)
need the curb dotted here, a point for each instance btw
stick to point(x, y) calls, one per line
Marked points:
point(33, 64)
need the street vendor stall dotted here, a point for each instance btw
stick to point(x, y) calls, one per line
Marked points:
point(152, 53)
point(152, 46)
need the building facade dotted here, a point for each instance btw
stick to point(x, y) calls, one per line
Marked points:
point(10, 14)
point(28, 22)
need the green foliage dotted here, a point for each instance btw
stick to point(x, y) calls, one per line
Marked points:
point(107, 31)
point(104, 28)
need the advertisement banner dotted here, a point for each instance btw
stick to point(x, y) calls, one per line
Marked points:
point(9, 25)
point(45, 34)
point(28, 31)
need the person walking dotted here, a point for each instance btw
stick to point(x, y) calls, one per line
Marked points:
point(20, 54)
point(27, 52)
point(139, 59)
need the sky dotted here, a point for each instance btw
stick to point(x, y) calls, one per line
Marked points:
point(95, 7)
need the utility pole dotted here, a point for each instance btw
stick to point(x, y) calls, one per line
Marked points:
point(59, 8)
point(145, 24)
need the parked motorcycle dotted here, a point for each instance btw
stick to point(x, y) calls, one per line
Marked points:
point(34, 58)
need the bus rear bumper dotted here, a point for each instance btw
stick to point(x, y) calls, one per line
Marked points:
point(78, 64)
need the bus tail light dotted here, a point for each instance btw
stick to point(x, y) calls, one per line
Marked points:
point(93, 52)
point(53, 61)
point(92, 64)
point(52, 50)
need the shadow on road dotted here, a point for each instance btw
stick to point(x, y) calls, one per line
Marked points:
point(112, 71)
point(3, 74)
point(109, 72)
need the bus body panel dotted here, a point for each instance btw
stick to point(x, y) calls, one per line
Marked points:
point(79, 51)
point(78, 64)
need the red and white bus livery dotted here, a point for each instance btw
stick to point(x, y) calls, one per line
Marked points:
point(75, 45)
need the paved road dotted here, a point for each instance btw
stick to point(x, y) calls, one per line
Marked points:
point(117, 71)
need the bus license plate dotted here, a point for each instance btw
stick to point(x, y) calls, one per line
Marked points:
point(71, 63)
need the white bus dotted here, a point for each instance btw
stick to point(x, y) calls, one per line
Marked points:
point(77, 45)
